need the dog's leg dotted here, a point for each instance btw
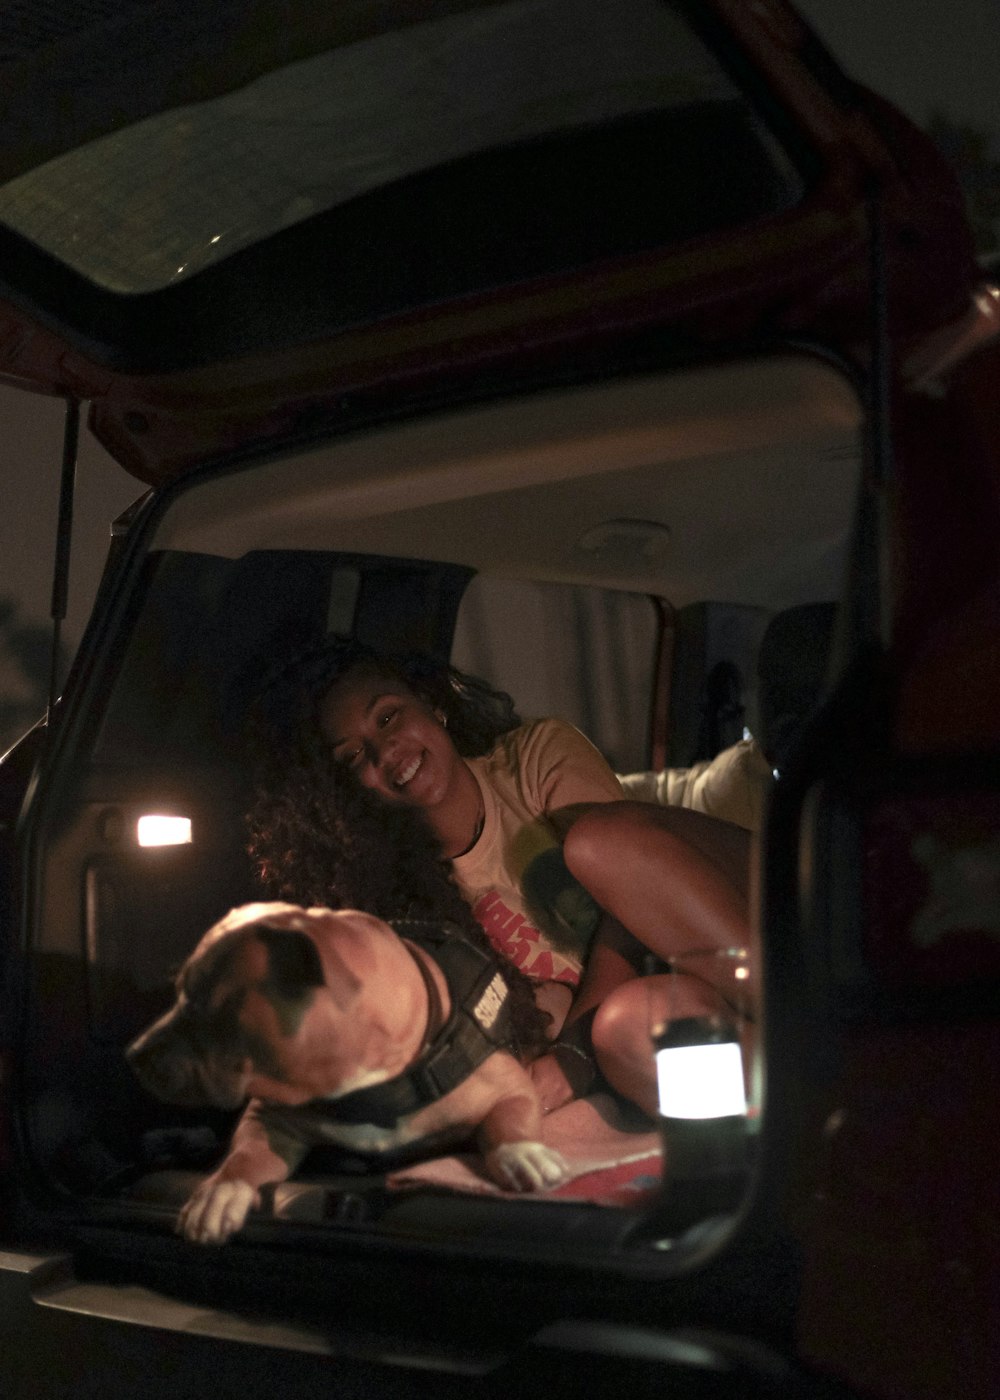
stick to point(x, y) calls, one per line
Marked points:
point(258, 1156)
point(510, 1138)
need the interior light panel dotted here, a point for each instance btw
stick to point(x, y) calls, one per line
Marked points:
point(155, 829)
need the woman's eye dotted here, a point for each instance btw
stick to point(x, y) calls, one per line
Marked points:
point(386, 717)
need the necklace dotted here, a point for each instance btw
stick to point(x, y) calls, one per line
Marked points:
point(477, 831)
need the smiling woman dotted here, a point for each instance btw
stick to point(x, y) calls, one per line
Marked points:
point(397, 747)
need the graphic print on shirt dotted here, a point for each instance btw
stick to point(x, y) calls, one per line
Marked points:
point(551, 944)
point(515, 877)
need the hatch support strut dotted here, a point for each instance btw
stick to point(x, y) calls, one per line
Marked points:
point(64, 536)
point(880, 414)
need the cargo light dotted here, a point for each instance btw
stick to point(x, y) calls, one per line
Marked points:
point(154, 829)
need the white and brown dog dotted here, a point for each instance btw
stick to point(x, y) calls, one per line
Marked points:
point(338, 1031)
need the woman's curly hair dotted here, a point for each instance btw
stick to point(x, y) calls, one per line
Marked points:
point(318, 837)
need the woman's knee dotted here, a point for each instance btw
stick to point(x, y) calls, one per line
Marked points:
point(623, 1049)
point(622, 1021)
point(633, 1013)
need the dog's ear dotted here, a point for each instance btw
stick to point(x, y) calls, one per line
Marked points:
point(293, 962)
point(295, 967)
point(294, 970)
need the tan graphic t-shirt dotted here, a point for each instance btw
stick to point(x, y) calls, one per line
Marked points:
point(534, 784)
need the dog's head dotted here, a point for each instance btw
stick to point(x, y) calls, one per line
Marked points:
point(242, 1000)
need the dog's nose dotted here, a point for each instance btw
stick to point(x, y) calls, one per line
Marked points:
point(162, 1071)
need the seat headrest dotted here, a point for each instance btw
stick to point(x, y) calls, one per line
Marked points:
point(792, 667)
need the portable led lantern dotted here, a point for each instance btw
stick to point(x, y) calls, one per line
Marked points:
point(699, 1070)
point(155, 829)
point(703, 1117)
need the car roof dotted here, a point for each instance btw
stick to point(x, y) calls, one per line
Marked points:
point(225, 223)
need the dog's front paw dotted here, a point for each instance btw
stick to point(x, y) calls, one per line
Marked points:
point(216, 1210)
point(525, 1166)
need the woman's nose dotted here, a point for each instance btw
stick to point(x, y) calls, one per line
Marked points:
point(381, 750)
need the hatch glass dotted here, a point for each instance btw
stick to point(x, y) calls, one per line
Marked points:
point(529, 90)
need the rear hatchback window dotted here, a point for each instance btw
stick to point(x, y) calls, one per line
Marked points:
point(565, 130)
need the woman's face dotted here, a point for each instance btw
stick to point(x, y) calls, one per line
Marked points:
point(389, 738)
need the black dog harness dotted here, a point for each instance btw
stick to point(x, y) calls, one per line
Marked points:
point(479, 1025)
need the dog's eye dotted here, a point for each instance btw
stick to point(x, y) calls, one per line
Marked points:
point(191, 989)
point(221, 1017)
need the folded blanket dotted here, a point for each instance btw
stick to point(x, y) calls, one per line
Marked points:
point(613, 1157)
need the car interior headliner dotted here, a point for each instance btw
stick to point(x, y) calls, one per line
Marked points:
point(732, 482)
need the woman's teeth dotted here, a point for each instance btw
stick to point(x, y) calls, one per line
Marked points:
point(405, 774)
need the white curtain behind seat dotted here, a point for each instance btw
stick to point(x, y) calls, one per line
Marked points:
point(583, 654)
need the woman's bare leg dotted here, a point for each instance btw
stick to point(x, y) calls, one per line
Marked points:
point(614, 957)
point(629, 1017)
point(675, 879)
point(672, 882)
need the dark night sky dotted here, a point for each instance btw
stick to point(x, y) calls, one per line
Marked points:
point(922, 54)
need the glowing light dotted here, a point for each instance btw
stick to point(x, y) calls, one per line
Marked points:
point(155, 829)
point(701, 1081)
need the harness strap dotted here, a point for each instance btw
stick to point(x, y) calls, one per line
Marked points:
point(435, 1011)
point(478, 1026)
